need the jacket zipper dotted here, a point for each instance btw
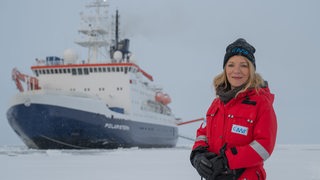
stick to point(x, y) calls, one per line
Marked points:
point(223, 139)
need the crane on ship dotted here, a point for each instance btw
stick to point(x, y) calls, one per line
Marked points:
point(18, 78)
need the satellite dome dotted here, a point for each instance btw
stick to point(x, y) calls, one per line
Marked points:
point(117, 55)
point(70, 56)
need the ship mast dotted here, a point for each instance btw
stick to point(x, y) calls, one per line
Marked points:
point(95, 31)
point(119, 51)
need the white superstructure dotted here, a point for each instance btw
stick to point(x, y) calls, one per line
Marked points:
point(103, 101)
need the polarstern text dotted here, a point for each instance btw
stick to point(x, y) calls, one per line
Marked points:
point(117, 126)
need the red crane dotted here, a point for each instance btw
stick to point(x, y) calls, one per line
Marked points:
point(32, 82)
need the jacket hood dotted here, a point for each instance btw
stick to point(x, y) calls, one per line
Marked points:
point(262, 91)
point(266, 92)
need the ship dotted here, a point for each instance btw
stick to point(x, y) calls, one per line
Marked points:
point(105, 101)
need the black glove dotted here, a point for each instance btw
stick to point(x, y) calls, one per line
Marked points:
point(221, 169)
point(200, 159)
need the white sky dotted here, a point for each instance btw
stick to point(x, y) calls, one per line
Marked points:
point(182, 44)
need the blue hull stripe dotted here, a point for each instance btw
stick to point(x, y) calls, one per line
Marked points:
point(52, 127)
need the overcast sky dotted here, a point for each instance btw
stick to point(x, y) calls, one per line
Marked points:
point(182, 44)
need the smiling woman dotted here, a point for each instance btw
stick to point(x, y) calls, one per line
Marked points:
point(237, 71)
point(241, 124)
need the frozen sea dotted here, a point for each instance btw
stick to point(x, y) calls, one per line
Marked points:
point(20, 163)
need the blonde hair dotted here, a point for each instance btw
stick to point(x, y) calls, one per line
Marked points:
point(255, 80)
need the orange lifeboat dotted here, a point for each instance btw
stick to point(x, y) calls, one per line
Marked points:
point(166, 99)
point(163, 98)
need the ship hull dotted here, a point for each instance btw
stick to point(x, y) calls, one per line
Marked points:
point(44, 126)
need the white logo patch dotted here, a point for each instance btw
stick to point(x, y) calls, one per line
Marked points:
point(239, 129)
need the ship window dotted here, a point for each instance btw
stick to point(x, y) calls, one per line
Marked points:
point(60, 71)
point(74, 71)
point(43, 71)
point(95, 69)
point(125, 70)
point(108, 69)
point(112, 69)
point(68, 70)
point(104, 69)
point(85, 71)
point(64, 71)
point(90, 69)
point(80, 71)
point(121, 69)
point(118, 69)
point(99, 69)
point(48, 72)
point(36, 72)
point(52, 72)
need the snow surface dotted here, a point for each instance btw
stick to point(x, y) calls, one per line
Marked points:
point(20, 163)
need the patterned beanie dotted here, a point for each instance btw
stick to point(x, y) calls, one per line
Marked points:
point(242, 48)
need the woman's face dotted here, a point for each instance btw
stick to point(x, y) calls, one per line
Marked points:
point(237, 70)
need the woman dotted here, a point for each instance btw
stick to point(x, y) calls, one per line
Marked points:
point(241, 126)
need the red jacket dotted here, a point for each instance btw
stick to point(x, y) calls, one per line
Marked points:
point(248, 125)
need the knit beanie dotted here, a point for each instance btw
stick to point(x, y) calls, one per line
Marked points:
point(242, 48)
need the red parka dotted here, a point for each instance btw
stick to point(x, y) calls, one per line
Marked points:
point(248, 124)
